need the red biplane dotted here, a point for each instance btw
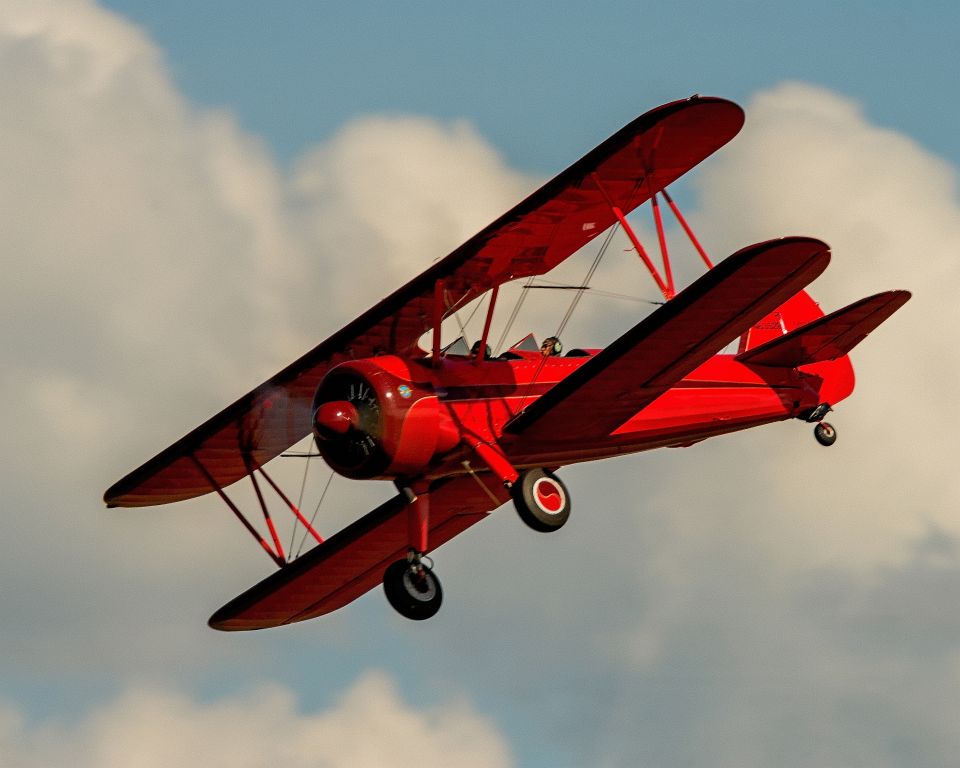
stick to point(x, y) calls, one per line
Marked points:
point(460, 432)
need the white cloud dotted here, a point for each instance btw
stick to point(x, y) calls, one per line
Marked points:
point(796, 602)
point(370, 726)
point(385, 198)
point(809, 162)
point(157, 265)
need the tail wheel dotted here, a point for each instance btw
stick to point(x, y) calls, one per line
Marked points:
point(825, 433)
point(412, 589)
point(541, 499)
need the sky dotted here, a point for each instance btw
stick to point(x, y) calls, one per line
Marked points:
point(195, 194)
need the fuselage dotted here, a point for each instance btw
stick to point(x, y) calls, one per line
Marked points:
point(423, 417)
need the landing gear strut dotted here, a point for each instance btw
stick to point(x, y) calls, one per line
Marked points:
point(412, 588)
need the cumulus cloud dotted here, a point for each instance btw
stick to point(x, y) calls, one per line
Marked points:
point(158, 264)
point(387, 196)
point(368, 727)
point(810, 162)
point(792, 596)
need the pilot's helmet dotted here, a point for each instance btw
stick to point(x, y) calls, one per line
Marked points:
point(487, 352)
point(551, 346)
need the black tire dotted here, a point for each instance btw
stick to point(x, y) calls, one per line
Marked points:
point(414, 595)
point(825, 433)
point(541, 499)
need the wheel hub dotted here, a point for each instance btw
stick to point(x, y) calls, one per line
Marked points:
point(549, 495)
point(419, 585)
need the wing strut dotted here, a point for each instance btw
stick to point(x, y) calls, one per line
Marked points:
point(437, 321)
point(686, 228)
point(665, 283)
point(269, 520)
point(482, 347)
point(658, 220)
point(275, 552)
point(293, 507)
point(240, 516)
point(665, 289)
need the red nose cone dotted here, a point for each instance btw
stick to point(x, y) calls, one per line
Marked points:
point(336, 418)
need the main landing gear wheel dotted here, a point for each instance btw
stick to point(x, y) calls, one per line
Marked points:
point(541, 500)
point(825, 433)
point(412, 589)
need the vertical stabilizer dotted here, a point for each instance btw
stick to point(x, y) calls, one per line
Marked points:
point(794, 313)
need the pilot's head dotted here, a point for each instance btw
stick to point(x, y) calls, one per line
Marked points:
point(475, 349)
point(551, 346)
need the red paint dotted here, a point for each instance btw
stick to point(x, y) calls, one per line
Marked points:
point(292, 507)
point(548, 495)
point(638, 246)
point(337, 417)
point(687, 229)
point(664, 253)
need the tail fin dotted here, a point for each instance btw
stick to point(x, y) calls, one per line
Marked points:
point(794, 313)
point(829, 337)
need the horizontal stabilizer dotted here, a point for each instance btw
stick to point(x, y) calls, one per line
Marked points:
point(829, 337)
point(352, 562)
point(671, 342)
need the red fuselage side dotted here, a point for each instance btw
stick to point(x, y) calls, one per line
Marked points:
point(426, 415)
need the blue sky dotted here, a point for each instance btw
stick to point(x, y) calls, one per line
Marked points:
point(294, 72)
point(197, 193)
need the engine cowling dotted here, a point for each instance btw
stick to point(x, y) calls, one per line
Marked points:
point(372, 420)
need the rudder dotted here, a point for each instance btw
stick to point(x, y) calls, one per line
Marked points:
point(794, 313)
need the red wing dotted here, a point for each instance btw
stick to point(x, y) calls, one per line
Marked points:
point(352, 562)
point(829, 337)
point(531, 238)
point(670, 343)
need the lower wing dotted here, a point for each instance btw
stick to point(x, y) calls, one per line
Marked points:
point(353, 561)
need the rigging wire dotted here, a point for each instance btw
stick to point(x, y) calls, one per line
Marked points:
point(573, 305)
point(475, 308)
point(303, 485)
point(513, 314)
point(313, 517)
point(555, 285)
point(463, 325)
point(586, 280)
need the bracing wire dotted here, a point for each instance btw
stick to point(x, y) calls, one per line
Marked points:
point(554, 285)
point(586, 280)
point(476, 307)
point(513, 315)
point(573, 305)
point(463, 325)
point(303, 485)
point(313, 517)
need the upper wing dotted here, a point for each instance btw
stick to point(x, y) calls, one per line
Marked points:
point(531, 238)
point(670, 343)
point(829, 337)
point(353, 561)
